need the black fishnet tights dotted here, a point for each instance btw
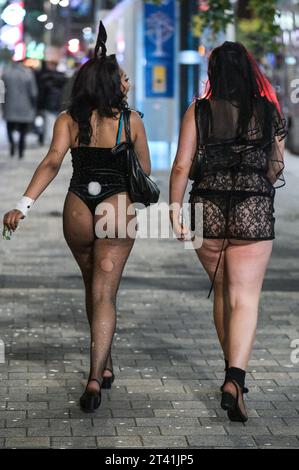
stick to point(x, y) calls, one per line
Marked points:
point(102, 261)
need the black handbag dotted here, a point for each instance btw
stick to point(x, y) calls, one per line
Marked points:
point(141, 188)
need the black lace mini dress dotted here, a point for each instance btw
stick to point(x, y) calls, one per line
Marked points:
point(237, 177)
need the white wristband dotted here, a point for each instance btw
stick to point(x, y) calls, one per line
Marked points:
point(24, 205)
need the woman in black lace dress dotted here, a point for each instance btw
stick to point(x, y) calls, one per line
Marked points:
point(236, 133)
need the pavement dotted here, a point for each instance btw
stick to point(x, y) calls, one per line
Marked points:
point(166, 356)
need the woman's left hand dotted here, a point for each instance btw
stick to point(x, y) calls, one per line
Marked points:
point(181, 231)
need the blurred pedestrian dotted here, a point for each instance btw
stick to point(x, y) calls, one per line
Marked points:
point(51, 83)
point(19, 107)
point(236, 132)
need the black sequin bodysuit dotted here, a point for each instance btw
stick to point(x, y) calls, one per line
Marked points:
point(99, 172)
point(236, 176)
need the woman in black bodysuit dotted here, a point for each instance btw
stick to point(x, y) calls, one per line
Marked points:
point(237, 130)
point(96, 221)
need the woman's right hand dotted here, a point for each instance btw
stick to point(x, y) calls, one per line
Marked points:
point(11, 219)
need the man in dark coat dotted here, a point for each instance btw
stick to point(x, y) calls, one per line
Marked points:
point(19, 106)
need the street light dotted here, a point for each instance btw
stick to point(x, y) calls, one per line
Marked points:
point(64, 3)
point(87, 33)
point(87, 30)
point(42, 18)
point(74, 45)
point(49, 26)
point(13, 14)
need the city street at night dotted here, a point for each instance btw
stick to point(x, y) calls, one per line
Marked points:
point(184, 113)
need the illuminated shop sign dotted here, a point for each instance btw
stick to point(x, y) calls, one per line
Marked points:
point(159, 45)
point(35, 50)
point(13, 14)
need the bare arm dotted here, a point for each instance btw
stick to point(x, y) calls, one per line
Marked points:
point(47, 169)
point(50, 165)
point(140, 142)
point(182, 164)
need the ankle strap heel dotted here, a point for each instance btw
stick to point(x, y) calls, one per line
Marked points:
point(229, 402)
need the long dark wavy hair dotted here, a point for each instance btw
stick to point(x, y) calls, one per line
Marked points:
point(235, 76)
point(97, 87)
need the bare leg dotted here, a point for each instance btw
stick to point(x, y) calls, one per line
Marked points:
point(208, 255)
point(246, 263)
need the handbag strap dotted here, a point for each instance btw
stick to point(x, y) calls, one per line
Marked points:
point(120, 128)
point(197, 117)
point(127, 114)
point(202, 113)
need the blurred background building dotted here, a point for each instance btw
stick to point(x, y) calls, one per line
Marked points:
point(163, 46)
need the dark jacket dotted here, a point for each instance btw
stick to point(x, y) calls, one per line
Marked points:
point(20, 94)
point(51, 85)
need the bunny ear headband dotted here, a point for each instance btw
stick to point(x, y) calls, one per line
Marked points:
point(101, 42)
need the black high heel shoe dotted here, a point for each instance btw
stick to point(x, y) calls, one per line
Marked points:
point(230, 404)
point(90, 401)
point(245, 389)
point(108, 381)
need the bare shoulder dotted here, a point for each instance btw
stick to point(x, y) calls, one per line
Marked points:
point(64, 122)
point(64, 119)
point(192, 105)
point(189, 119)
point(136, 118)
point(137, 126)
point(189, 114)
